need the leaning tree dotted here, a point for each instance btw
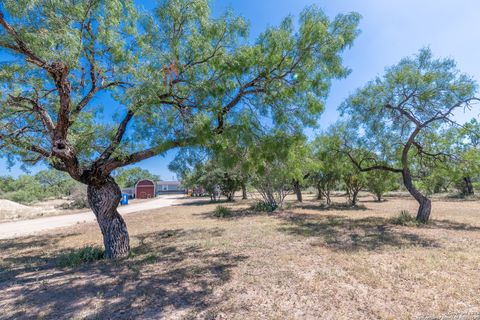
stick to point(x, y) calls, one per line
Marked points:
point(393, 118)
point(89, 86)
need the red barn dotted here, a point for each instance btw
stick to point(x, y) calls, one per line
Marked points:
point(145, 189)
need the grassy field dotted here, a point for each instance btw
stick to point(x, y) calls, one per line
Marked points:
point(306, 262)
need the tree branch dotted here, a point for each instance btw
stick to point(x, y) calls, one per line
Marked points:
point(117, 139)
point(144, 154)
point(371, 168)
point(36, 107)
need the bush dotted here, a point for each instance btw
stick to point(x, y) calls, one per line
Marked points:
point(78, 197)
point(80, 203)
point(222, 212)
point(263, 206)
point(21, 196)
point(79, 257)
point(405, 219)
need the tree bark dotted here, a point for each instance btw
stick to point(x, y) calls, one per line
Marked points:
point(425, 204)
point(244, 191)
point(327, 196)
point(468, 188)
point(354, 198)
point(298, 190)
point(319, 192)
point(103, 200)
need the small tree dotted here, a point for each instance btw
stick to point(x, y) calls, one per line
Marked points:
point(355, 181)
point(276, 158)
point(465, 166)
point(380, 182)
point(229, 184)
point(392, 116)
point(329, 164)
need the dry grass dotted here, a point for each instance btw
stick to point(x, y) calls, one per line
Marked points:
point(303, 263)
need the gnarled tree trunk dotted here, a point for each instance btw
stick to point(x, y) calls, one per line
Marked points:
point(244, 191)
point(103, 200)
point(425, 204)
point(354, 198)
point(319, 192)
point(468, 186)
point(298, 190)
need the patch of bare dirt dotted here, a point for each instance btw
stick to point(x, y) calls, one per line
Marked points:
point(11, 211)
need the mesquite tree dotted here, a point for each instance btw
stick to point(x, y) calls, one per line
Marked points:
point(394, 115)
point(164, 80)
point(277, 157)
point(379, 182)
point(464, 143)
point(328, 165)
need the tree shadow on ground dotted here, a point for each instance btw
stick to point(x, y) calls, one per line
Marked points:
point(202, 202)
point(332, 207)
point(25, 254)
point(345, 234)
point(375, 201)
point(235, 214)
point(169, 272)
point(451, 225)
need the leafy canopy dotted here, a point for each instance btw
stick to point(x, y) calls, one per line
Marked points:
point(171, 78)
point(397, 116)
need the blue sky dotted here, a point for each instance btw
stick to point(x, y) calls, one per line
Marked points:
point(390, 30)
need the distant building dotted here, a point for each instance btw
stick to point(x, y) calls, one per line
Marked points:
point(129, 191)
point(164, 187)
point(145, 189)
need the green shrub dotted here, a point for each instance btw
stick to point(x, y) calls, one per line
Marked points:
point(80, 203)
point(21, 196)
point(222, 212)
point(78, 257)
point(404, 219)
point(262, 206)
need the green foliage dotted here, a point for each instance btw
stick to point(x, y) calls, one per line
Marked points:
point(330, 163)
point(129, 177)
point(355, 181)
point(278, 159)
point(215, 179)
point(79, 257)
point(380, 182)
point(397, 121)
point(45, 184)
point(55, 183)
point(262, 206)
point(222, 212)
point(183, 74)
point(404, 218)
point(461, 163)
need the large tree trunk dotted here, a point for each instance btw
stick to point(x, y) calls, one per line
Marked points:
point(425, 204)
point(319, 192)
point(244, 191)
point(104, 199)
point(298, 190)
point(354, 198)
point(468, 188)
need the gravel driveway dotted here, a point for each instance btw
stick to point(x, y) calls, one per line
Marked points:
point(29, 227)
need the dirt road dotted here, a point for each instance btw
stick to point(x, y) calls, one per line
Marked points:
point(28, 227)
